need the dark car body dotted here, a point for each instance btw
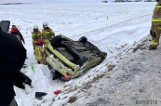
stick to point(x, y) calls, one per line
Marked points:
point(70, 58)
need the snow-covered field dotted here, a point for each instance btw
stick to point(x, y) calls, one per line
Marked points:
point(111, 27)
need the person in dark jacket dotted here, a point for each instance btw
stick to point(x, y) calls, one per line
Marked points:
point(15, 31)
point(12, 58)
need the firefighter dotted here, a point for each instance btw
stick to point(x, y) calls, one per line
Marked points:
point(40, 51)
point(156, 26)
point(38, 42)
point(36, 35)
point(47, 33)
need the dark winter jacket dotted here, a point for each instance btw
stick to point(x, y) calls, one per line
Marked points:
point(20, 37)
point(12, 57)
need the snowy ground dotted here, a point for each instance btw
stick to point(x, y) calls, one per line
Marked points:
point(134, 81)
point(111, 27)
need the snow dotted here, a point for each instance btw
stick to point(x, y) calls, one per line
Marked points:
point(111, 27)
point(135, 80)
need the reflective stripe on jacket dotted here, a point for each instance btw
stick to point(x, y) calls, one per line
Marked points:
point(157, 14)
point(48, 34)
point(36, 35)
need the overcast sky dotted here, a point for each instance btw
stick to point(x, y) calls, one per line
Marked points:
point(50, 1)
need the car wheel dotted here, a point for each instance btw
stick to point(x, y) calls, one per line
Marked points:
point(103, 55)
point(56, 41)
point(83, 39)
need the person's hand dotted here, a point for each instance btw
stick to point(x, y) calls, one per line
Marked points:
point(27, 80)
point(20, 79)
point(19, 83)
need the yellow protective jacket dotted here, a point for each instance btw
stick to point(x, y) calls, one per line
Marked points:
point(36, 35)
point(157, 15)
point(48, 34)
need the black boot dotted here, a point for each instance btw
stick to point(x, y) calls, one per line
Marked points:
point(151, 47)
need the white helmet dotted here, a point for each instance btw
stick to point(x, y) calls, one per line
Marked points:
point(35, 27)
point(45, 24)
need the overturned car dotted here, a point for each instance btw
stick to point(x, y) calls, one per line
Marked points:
point(68, 59)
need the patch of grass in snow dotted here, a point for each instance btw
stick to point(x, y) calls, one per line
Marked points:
point(72, 99)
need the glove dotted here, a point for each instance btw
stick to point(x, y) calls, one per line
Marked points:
point(20, 79)
point(27, 80)
point(19, 83)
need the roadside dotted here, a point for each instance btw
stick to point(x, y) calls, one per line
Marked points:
point(134, 81)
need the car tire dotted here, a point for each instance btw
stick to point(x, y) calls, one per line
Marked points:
point(56, 41)
point(83, 39)
point(103, 55)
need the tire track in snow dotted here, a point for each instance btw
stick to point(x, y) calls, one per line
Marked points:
point(113, 25)
point(94, 25)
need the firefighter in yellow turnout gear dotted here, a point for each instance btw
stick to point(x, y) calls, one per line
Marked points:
point(37, 41)
point(156, 26)
point(47, 33)
point(36, 35)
